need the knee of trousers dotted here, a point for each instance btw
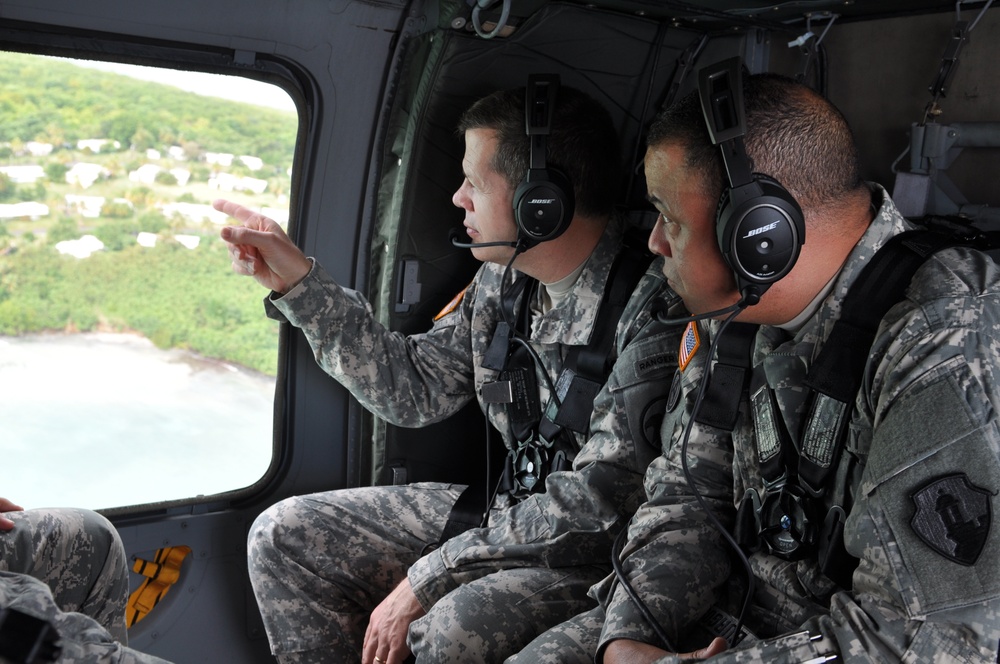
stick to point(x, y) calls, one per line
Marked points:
point(455, 630)
point(102, 531)
point(106, 540)
point(72, 532)
point(262, 538)
point(290, 531)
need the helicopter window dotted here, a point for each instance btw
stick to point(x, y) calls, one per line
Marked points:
point(135, 366)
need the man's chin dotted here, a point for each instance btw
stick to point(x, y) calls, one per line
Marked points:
point(499, 255)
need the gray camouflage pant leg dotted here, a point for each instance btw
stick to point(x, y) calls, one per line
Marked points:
point(79, 555)
point(572, 642)
point(491, 618)
point(81, 638)
point(320, 563)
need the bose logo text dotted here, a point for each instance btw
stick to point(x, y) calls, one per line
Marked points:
point(541, 201)
point(762, 229)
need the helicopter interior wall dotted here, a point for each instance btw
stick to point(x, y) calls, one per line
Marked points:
point(879, 73)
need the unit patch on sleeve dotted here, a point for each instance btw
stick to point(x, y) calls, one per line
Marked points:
point(953, 517)
point(451, 306)
point(690, 343)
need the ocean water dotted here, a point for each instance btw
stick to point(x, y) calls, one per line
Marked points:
point(107, 420)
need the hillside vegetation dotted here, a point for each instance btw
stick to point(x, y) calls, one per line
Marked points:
point(55, 101)
point(176, 296)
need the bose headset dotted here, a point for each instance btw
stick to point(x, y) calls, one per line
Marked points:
point(760, 225)
point(543, 202)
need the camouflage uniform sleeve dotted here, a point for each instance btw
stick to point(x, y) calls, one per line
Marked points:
point(674, 558)
point(575, 520)
point(408, 380)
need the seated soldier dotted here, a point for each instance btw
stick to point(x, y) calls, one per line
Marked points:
point(865, 521)
point(359, 573)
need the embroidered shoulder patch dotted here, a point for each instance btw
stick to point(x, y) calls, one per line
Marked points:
point(690, 343)
point(953, 517)
point(451, 306)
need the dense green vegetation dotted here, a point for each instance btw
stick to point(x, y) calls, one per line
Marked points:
point(54, 101)
point(176, 296)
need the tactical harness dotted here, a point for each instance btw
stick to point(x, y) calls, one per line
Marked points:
point(543, 439)
point(798, 513)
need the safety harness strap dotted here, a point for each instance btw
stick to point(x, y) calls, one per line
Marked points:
point(789, 517)
point(161, 573)
point(585, 370)
point(728, 382)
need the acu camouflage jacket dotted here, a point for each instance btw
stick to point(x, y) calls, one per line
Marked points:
point(920, 473)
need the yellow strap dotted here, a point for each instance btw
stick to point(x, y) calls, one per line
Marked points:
point(160, 574)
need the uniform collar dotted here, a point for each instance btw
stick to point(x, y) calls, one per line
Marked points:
point(572, 322)
point(887, 223)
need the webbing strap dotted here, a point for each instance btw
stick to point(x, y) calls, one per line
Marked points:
point(728, 381)
point(578, 386)
point(161, 573)
point(837, 373)
point(467, 512)
point(586, 368)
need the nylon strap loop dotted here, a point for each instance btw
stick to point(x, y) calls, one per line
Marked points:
point(161, 573)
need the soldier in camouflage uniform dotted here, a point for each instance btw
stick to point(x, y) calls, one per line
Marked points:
point(918, 476)
point(322, 564)
point(68, 566)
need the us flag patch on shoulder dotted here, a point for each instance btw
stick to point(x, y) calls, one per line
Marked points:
point(451, 306)
point(690, 343)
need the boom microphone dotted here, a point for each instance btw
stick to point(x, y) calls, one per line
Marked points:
point(660, 306)
point(454, 235)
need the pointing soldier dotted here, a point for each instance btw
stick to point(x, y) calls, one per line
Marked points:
point(370, 573)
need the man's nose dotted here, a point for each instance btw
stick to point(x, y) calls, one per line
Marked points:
point(461, 197)
point(657, 241)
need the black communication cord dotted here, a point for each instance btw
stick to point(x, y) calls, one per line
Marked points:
point(616, 563)
point(619, 541)
point(491, 496)
point(505, 281)
point(660, 314)
point(516, 335)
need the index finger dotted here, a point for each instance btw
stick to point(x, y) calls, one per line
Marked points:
point(234, 210)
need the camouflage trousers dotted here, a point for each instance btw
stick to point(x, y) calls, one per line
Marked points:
point(68, 566)
point(321, 563)
point(572, 642)
point(576, 640)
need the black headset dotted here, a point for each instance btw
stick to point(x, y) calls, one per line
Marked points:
point(544, 201)
point(760, 225)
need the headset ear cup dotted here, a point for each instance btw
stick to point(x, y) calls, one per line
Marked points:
point(761, 231)
point(544, 204)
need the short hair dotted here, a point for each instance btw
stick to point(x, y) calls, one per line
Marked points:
point(793, 135)
point(582, 143)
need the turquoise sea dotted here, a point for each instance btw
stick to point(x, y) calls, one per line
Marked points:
point(106, 420)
